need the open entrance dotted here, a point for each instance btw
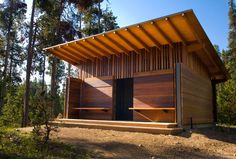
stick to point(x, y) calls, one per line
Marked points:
point(123, 99)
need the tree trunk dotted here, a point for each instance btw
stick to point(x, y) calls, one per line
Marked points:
point(28, 69)
point(3, 89)
point(55, 60)
point(99, 17)
point(43, 74)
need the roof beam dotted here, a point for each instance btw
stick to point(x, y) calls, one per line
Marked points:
point(69, 54)
point(194, 47)
point(107, 46)
point(127, 42)
point(62, 56)
point(169, 21)
point(149, 36)
point(126, 51)
point(198, 38)
point(170, 42)
point(71, 49)
point(87, 48)
point(138, 39)
point(186, 19)
point(98, 47)
point(83, 52)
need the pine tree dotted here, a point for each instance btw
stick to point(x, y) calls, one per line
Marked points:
point(226, 98)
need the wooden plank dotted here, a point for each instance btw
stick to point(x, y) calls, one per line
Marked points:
point(149, 36)
point(127, 42)
point(163, 34)
point(152, 109)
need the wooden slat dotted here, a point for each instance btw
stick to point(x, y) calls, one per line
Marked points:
point(127, 42)
point(182, 39)
point(98, 48)
point(62, 56)
point(107, 46)
point(137, 38)
point(89, 49)
point(163, 34)
point(152, 109)
point(126, 51)
point(149, 36)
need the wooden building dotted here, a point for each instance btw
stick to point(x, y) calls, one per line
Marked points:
point(162, 70)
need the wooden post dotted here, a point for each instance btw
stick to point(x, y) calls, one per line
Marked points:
point(178, 95)
point(213, 84)
point(66, 103)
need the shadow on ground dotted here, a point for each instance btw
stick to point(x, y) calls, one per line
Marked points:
point(120, 150)
point(220, 133)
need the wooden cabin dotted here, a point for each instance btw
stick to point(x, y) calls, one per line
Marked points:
point(163, 70)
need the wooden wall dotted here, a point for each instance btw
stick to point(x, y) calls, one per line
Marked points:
point(72, 97)
point(194, 63)
point(96, 93)
point(155, 90)
point(125, 66)
point(196, 92)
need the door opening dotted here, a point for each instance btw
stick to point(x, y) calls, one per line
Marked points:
point(123, 99)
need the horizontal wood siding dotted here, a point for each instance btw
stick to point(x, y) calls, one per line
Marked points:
point(96, 93)
point(74, 87)
point(196, 92)
point(126, 65)
point(154, 91)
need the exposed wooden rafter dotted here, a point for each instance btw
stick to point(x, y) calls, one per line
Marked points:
point(138, 39)
point(73, 45)
point(74, 49)
point(170, 42)
point(89, 49)
point(66, 58)
point(183, 40)
point(127, 42)
point(98, 48)
point(70, 55)
point(117, 44)
point(198, 38)
point(149, 36)
point(194, 47)
point(112, 50)
point(75, 52)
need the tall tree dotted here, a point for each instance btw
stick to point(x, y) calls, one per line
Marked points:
point(28, 69)
point(12, 15)
point(226, 98)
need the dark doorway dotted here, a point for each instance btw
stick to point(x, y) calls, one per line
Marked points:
point(124, 99)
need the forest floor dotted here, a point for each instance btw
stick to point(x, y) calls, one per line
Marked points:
point(217, 142)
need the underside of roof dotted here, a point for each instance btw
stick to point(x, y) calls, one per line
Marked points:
point(180, 27)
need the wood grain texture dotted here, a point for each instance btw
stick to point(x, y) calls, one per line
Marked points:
point(126, 65)
point(196, 92)
point(154, 91)
point(73, 98)
point(97, 93)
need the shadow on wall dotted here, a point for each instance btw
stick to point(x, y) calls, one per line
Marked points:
point(149, 92)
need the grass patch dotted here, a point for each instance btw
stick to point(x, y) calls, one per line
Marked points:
point(17, 145)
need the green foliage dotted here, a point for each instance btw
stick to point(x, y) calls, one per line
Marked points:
point(12, 110)
point(18, 145)
point(227, 102)
point(226, 97)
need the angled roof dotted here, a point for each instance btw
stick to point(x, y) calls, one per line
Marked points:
point(180, 27)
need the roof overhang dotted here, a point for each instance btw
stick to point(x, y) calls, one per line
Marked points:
point(180, 27)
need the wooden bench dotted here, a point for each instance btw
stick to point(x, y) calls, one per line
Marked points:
point(92, 109)
point(152, 109)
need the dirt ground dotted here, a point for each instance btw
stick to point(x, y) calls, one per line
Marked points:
point(214, 143)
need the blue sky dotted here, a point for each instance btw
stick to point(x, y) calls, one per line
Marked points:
point(212, 14)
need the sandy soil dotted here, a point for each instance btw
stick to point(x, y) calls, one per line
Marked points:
point(199, 143)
